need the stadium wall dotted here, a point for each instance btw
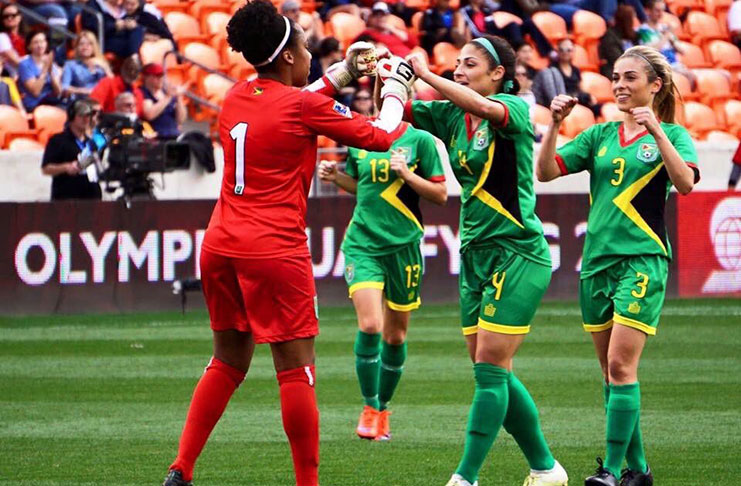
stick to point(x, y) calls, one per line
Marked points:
point(102, 257)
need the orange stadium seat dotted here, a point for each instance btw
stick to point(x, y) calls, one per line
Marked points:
point(582, 61)
point(14, 123)
point(215, 88)
point(715, 89)
point(719, 10)
point(692, 56)
point(445, 56)
point(597, 85)
point(733, 117)
point(699, 119)
point(215, 28)
point(588, 30)
point(541, 115)
point(49, 120)
point(344, 27)
point(676, 25)
point(154, 51)
point(239, 68)
point(503, 19)
point(725, 55)
point(200, 9)
point(721, 136)
point(552, 26)
point(578, 120)
point(684, 86)
point(420, 5)
point(702, 27)
point(167, 6)
point(203, 54)
point(184, 28)
point(611, 112)
point(25, 143)
point(679, 7)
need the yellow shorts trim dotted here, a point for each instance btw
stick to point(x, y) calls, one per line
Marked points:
point(502, 329)
point(627, 321)
point(364, 285)
point(598, 327)
point(468, 330)
point(404, 307)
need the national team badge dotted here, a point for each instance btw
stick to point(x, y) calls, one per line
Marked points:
point(647, 152)
point(257, 91)
point(634, 308)
point(342, 110)
point(349, 272)
point(481, 139)
point(490, 310)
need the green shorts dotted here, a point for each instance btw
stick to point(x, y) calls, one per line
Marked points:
point(399, 274)
point(630, 292)
point(500, 290)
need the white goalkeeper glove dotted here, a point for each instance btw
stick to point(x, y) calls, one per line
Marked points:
point(360, 60)
point(397, 77)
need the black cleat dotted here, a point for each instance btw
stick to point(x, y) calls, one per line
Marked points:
point(175, 478)
point(601, 477)
point(633, 478)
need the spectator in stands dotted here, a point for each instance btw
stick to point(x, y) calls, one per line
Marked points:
point(734, 22)
point(163, 102)
point(121, 35)
point(619, 37)
point(442, 24)
point(311, 23)
point(38, 77)
point(398, 41)
point(51, 10)
point(477, 16)
point(12, 41)
point(125, 104)
point(572, 77)
point(522, 75)
point(326, 53)
point(9, 94)
point(63, 154)
point(109, 88)
point(81, 74)
point(657, 34)
point(524, 56)
point(362, 103)
point(154, 27)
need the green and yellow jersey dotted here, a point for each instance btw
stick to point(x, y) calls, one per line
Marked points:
point(494, 166)
point(387, 213)
point(628, 189)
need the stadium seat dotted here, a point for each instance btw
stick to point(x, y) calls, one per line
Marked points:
point(733, 117)
point(49, 120)
point(502, 19)
point(445, 56)
point(699, 119)
point(344, 27)
point(184, 28)
point(154, 51)
point(167, 6)
point(419, 5)
point(13, 123)
point(215, 88)
point(692, 56)
point(552, 26)
point(597, 85)
point(582, 61)
point(715, 89)
point(239, 68)
point(676, 25)
point(725, 55)
point(578, 120)
point(21, 144)
point(611, 112)
point(201, 9)
point(721, 136)
point(541, 115)
point(679, 7)
point(717, 8)
point(684, 86)
point(588, 29)
point(205, 55)
point(215, 22)
point(703, 28)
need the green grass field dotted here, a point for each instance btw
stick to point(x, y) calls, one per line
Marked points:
point(100, 400)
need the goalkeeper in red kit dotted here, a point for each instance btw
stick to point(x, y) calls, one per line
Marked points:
point(255, 263)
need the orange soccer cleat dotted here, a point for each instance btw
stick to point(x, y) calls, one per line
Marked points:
point(384, 428)
point(368, 423)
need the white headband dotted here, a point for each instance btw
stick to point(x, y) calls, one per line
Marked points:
point(280, 46)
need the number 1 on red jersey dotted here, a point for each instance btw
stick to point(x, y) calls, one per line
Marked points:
point(239, 134)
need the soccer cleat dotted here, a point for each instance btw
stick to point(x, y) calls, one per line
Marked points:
point(634, 478)
point(556, 476)
point(368, 423)
point(384, 429)
point(175, 478)
point(601, 477)
point(457, 480)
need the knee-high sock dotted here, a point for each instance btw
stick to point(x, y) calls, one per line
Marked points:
point(485, 417)
point(210, 397)
point(368, 366)
point(523, 424)
point(301, 422)
point(392, 366)
point(635, 455)
point(622, 415)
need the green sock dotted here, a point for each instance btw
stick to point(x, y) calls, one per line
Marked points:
point(485, 417)
point(635, 454)
point(622, 415)
point(392, 365)
point(367, 366)
point(523, 424)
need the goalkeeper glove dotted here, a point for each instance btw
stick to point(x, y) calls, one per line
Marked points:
point(360, 60)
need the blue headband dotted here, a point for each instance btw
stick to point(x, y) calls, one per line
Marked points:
point(486, 44)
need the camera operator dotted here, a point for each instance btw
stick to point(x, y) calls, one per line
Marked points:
point(68, 153)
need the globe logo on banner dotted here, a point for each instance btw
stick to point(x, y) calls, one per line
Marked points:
point(725, 233)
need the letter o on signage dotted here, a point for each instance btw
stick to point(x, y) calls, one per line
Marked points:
point(29, 276)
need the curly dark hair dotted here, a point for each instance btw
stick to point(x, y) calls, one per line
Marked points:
point(256, 29)
point(507, 58)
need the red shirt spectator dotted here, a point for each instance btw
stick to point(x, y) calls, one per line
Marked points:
point(107, 89)
point(399, 41)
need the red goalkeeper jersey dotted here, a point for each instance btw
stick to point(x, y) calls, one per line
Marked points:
point(269, 134)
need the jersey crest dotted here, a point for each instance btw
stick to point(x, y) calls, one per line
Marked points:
point(647, 152)
point(342, 110)
point(481, 139)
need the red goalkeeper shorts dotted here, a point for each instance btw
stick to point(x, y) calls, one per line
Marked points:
point(272, 298)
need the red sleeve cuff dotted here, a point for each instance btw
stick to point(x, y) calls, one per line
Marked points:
point(561, 165)
point(438, 178)
point(408, 113)
point(506, 115)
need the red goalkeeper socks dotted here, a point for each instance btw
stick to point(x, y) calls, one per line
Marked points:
point(212, 393)
point(301, 422)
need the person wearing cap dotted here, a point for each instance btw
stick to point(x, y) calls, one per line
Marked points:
point(312, 24)
point(163, 102)
point(108, 88)
point(398, 41)
point(62, 155)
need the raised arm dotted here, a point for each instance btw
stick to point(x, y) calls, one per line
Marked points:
point(547, 167)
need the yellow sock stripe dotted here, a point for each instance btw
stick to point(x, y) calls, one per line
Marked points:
point(597, 327)
point(404, 307)
point(502, 328)
point(390, 196)
point(627, 321)
point(364, 285)
point(487, 198)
